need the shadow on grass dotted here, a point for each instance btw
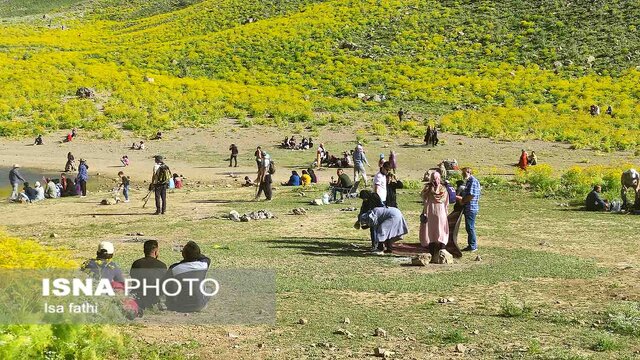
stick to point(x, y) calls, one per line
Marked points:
point(317, 246)
point(220, 201)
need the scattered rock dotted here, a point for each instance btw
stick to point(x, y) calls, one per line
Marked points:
point(85, 93)
point(244, 218)
point(544, 243)
point(380, 332)
point(383, 353)
point(109, 201)
point(461, 348)
point(54, 235)
point(317, 202)
point(299, 211)
point(361, 96)
point(303, 321)
point(261, 346)
point(557, 64)
point(346, 321)
point(149, 79)
point(590, 59)
point(444, 257)
point(347, 333)
point(377, 98)
point(478, 258)
point(232, 335)
point(476, 332)
point(234, 215)
point(421, 260)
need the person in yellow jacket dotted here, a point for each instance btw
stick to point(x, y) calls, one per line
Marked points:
point(305, 179)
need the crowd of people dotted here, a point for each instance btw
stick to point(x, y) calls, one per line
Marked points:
point(292, 144)
point(151, 270)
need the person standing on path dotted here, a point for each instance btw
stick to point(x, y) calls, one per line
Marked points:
point(160, 183)
point(83, 176)
point(359, 160)
point(234, 155)
point(15, 179)
point(470, 198)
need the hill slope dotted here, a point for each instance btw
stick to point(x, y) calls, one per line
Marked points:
point(506, 69)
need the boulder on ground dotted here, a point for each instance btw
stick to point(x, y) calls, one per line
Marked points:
point(85, 93)
point(421, 260)
point(299, 211)
point(244, 218)
point(444, 257)
point(234, 215)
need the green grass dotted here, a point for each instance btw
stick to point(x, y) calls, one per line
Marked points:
point(322, 277)
point(10, 8)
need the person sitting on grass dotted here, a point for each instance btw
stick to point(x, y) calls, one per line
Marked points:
point(125, 160)
point(39, 192)
point(533, 158)
point(312, 174)
point(39, 140)
point(148, 269)
point(305, 179)
point(103, 266)
point(158, 136)
point(341, 185)
point(294, 179)
point(177, 181)
point(28, 193)
point(248, 182)
point(51, 191)
point(194, 265)
point(594, 202)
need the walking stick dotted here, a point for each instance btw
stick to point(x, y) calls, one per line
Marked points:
point(146, 198)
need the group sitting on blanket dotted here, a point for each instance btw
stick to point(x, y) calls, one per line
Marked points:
point(290, 143)
point(344, 161)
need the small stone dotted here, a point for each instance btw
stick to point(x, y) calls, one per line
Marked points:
point(303, 321)
point(478, 258)
point(476, 332)
point(380, 332)
point(451, 299)
point(461, 348)
point(232, 335)
point(261, 346)
point(346, 321)
point(443, 300)
point(343, 332)
point(379, 352)
point(54, 235)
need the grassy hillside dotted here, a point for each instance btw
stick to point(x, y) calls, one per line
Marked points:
point(507, 69)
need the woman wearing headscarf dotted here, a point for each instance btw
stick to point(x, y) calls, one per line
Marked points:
point(434, 226)
point(524, 159)
point(71, 163)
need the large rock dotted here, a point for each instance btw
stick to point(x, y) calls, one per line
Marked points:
point(444, 257)
point(299, 211)
point(234, 215)
point(421, 260)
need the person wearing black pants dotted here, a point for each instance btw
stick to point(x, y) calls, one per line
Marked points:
point(265, 186)
point(234, 155)
point(159, 184)
point(160, 191)
point(83, 187)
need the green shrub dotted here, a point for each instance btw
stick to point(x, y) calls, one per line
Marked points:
point(605, 343)
point(509, 307)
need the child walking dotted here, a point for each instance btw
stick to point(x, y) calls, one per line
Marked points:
point(124, 185)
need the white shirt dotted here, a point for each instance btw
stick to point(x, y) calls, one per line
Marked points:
point(380, 186)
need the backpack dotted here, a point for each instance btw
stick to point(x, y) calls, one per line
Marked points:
point(452, 194)
point(163, 175)
point(272, 167)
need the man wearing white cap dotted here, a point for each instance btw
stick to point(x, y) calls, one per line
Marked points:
point(14, 179)
point(103, 267)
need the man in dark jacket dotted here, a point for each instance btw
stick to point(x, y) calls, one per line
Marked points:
point(150, 270)
point(160, 183)
point(193, 266)
point(594, 202)
point(234, 155)
point(14, 179)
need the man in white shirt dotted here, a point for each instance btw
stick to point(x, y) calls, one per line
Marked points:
point(380, 182)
